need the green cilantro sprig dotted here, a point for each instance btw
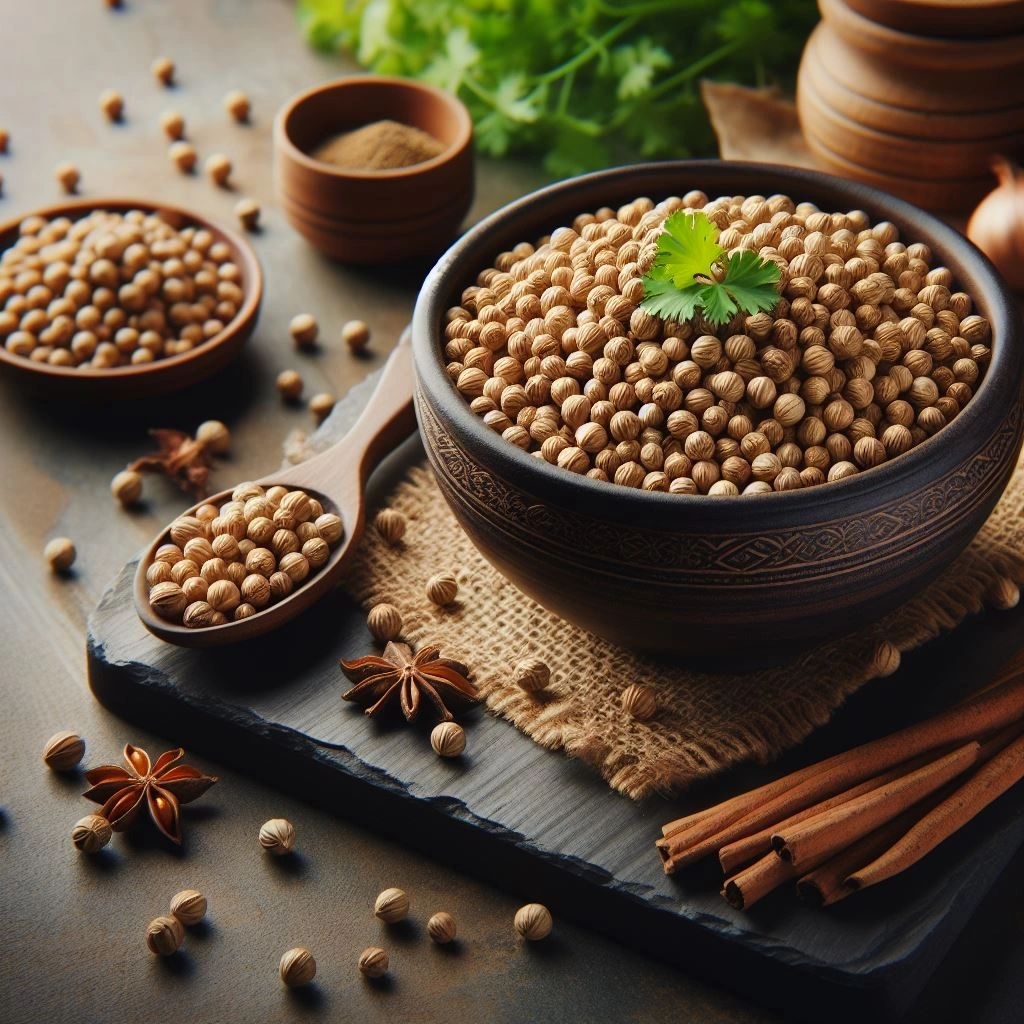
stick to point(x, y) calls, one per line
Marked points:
point(692, 272)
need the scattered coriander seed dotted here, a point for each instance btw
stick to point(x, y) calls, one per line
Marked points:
point(63, 751)
point(126, 487)
point(5, 140)
point(533, 922)
point(237, 104)
point(172, 124)
point(277, 836)
point(164, 935)
point(321, 405)
point(532, 675)
point(390, 525)
point(448, 739)
point(112, 104)
point(374, 962)
point(356, 335)
point(68, 176)
point(218, 169)
point(183, 155)
point(441, 927)
point(188, 906)
point(91, 833)
point(304, 329)
point(169, 600)
point(385, 622)
point(289, 385)
point(391, 906)
point(297, 967)
point(214, 435)
point(639, 702)
point(330, 527)
point(163, 71)
point(248, 213)
point(442, 588)
point(60, 554)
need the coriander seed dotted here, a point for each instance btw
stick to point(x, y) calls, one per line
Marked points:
point(533, 922)
point(112, 104)
point(289, 385)
point(373, 962)
point(172, 124)
point(183, 155)
point(277, 836)
point(91, 833)
point(126, 487)
point(391, 906)
point(356, 335)
point(218, 169)
point(68, 177)
point(163, 71)
point(384, 622)
point(63, 751)
point(189, 907)
point(442, 588)
point(297, 967)
point(639, 702)
point(321, 405)
point(248, 213)
point(448, 739)
point(531, 675)
point(390, 525)
point(164, 935)
point(236, 103)
point(304, 329)
point(441, 928)
point(214, 435)
point(60, 554)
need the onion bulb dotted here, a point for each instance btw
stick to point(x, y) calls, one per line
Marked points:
point(997, 225)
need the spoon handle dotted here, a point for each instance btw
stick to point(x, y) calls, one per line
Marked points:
point(386, 421)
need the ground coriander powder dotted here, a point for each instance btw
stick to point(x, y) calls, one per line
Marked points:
point(379, 146)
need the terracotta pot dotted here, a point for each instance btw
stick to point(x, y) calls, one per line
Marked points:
point(730, 579)
point(893, 107)
point(373, 216)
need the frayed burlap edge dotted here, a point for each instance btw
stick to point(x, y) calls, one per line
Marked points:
point(705, 723)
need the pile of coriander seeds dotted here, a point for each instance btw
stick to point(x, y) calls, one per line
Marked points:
point(113, 289)
point(869, 351)
point(228, 563)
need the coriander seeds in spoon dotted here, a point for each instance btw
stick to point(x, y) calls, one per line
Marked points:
point(251, 558)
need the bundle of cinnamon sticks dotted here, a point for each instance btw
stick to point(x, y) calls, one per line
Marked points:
point(867, 814)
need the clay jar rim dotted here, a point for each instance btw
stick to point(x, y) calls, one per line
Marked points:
point(205, 358)
point(374, 195)
point(977, 53)
point(544, 210)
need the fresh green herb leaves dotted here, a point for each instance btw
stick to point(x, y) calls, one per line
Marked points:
point(692, 273)
point(585, 84)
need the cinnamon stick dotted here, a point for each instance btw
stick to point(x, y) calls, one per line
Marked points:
point(757, 844)
point(753, 883)
point(689, 839)
point(985, 785)
point(835, 829)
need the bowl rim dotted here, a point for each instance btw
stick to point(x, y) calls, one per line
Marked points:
point(462, 141)
point(565, 488)
point(75, 209)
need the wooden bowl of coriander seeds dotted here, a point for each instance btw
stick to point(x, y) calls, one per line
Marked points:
point(372, 170)
point(118, 298)
point(732, 494)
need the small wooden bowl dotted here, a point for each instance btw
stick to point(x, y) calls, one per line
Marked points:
point(956, 18)
point(749, 578)
point(162, 375)
point(372, 216)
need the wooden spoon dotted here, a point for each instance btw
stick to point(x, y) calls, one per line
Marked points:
point(337, 479)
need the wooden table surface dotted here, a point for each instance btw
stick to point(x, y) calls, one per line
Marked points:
point(72, 927)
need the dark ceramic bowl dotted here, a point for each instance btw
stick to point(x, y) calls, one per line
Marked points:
point(725, 579)
point(372, 216)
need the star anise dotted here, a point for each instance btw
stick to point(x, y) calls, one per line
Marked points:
point(181, 458)
point(163, 787)
point(409, 678)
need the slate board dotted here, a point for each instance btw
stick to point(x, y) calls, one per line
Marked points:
point(547, 827)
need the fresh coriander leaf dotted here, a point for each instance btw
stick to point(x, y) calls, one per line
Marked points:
point(510, 99)
point(448, 69)
point(664, 299)
point(374, 37)
point(752, 282)
point(636, 66)
point(718, 305)
point(687, 247)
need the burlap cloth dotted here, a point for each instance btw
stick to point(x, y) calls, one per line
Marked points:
point(705, 723)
